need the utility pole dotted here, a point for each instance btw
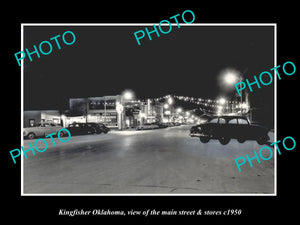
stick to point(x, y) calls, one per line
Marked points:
point(86, 110)
point(104, 110)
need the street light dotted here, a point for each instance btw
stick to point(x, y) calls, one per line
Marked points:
point(222, 101)
point(229, 77)
point(127, 95)
point(179, 110)
point(170, 101)
point(166, 106)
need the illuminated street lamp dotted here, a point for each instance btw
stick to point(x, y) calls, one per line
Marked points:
point(222, 101)
point(166, 106)
point(231, 78)
point(170, 101)
point(127, 95)
point(179, 110)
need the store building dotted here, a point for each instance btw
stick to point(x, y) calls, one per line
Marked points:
point(94, 110)
point(151, 112)
point(114, 111)
point(35, 117)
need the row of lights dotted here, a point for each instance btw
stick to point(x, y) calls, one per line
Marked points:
point(128, 95)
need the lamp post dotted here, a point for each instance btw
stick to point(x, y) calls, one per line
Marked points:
point(170, 102)
point(222, 101)
point(230, 77)
point(119, 108)
point(126, 95)
point(63, 119)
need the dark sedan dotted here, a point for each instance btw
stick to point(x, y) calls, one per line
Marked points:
point(100, 128)
point(224, 128)
point(81, 128)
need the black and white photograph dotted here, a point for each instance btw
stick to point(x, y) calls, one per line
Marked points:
point(163, 117)
point(150, 115)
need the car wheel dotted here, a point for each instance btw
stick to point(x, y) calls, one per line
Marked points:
point(62, 134)
point(204, 139)
point(241, 140)
point(92, 131)
point(261, 140)
point(224, 140)
point(31, 135)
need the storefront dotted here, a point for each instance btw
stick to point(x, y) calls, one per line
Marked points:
point(97, 109)
point(115, 112)
point(109, 119)
point(35, 117)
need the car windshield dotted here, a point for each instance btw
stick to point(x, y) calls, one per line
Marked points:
point(222, 120)
point(215, 120)
point(233, 121)
point(242, 121)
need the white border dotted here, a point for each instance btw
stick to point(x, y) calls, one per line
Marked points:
point(151, 24)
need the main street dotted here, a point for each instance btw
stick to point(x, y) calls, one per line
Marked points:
point(166, 161)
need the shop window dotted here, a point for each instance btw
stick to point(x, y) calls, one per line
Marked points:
point(31, 122)
point(56, 120)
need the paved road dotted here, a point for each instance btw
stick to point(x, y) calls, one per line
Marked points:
point(145, 162)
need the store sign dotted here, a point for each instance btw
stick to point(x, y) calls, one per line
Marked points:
point(136, 112)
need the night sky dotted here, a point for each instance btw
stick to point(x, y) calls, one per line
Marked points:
point(105, 60)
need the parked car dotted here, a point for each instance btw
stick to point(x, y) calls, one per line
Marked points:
point(99, 128)
point(147, 126)
point(41, 130)
point(170, 124)
point(81, 128)
point(161, 125)
point(224, 128)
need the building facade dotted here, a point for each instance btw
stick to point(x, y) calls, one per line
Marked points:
point(114, 111)
point(95, 110)
point(35, 117)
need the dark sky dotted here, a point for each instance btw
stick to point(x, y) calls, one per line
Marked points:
point(105, 60)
